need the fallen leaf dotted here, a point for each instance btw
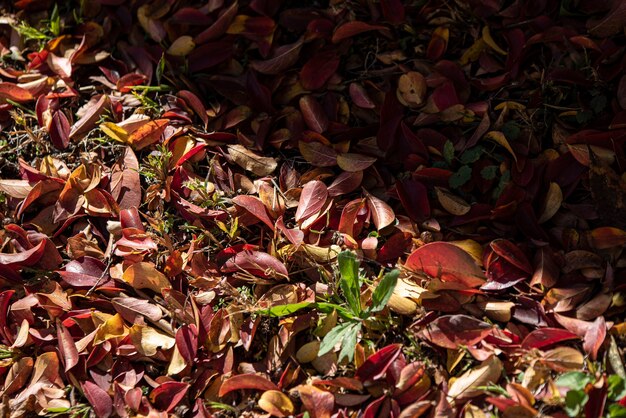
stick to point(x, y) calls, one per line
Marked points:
point(144, 275)
point(246, 159)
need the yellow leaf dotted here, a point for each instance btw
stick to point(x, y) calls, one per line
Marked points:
point(553, 201)
point(177, 364)
point(276, 403)
point(489, 41)
point(452, 203)
point(144, 275)
point(147, 340)
point(113, 131)
point(499, 138)
point(113, 327)
point(472, 53)
point(182, 46)
point(510, 105)
point(472, 248)
point(563, 359)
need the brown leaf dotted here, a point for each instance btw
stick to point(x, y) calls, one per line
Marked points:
point(467, 385)
point(248, 160)
point(353, 162)
point(93, 113)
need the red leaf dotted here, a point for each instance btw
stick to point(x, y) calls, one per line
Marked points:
point(246, 381)
point(349, 215)
point(314, 115)
point(169, 394)
point(257, 263)
point(544, 337)
point(219, 27)
point(316, 72)
point(67, 348)
point(360, 97)
point(60, 130)
point(594, 337)
point(195, 104)
point(511, 253)
point(255, 207)
point(285, 57)
point(98, 398)
point(452, 331)
point(414, 197)
point(377, 364)
point(345, 183)
point(187, 342)
point(393, 11)
point(14, 92)
point(350, 29)
point(5, 299)
point(125, 183)
point(312, 199)
point(447, 262)
point(84, 272)
point(24, 258)
point(318, 154)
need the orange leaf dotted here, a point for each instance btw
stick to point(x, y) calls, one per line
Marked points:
point(148, 134)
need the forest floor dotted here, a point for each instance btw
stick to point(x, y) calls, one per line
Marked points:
point(357, 209)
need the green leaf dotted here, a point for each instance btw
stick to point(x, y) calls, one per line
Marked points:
point(160, 68)
point(598, 104)
point(448, 151)
point(616, 411)
point(284, 310)
point(511, 130)
point(574, 380)
point(472, 155)
point(489, 172)
point(575, 401)
point(349, 282)
point(336, 335)
point(384, 290)
point(461, 177)
point(584, 116)
point(617, 387)
point(504, 180)
point(350, 339)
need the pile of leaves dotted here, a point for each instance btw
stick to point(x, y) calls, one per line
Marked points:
point(362, 208)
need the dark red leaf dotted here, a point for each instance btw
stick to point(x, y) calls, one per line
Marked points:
point(377, 364)
point(169, 394)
